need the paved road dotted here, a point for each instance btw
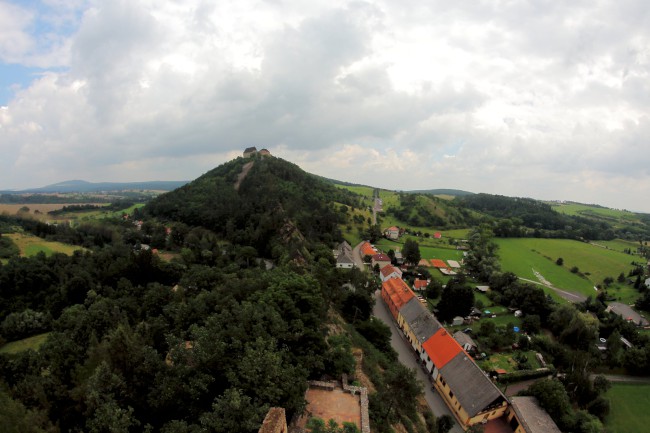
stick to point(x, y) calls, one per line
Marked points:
point(356, 256)
point(407, 357)
point(628, 313)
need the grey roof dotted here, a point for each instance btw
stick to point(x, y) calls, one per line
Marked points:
point(344, 257)
point(473, 389)
point(420, 320)
point(463, 338)
point(344, 246)
point(250, 149)
point(533, 418)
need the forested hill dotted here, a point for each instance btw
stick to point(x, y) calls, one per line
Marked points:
point(259, 205)
point(528, 217)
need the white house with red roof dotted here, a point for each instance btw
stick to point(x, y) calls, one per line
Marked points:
point(388, 272)
point(392, 233)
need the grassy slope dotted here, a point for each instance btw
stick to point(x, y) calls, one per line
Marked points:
point(629, 408)
point(33, 343)
point(31, 245)
point(521, 256)
point(582, 209)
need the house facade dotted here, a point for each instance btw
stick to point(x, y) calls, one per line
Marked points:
point(388, 272)
point(381, 260)
point(392, 233)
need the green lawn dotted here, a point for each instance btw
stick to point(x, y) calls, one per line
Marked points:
point(33, 343)
point(505, 361)
point(523, 255)
point(629, 408)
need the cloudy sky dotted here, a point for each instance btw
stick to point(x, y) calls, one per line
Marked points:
point(540, 98)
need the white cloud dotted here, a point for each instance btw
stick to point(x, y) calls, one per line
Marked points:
point(543, 99)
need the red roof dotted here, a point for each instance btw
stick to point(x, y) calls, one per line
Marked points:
point(381, 258)
point(437, 235)
point(387, 270)
point(367, 249)
point(420, 284)
point(393, 229)
point(441, 348)
point(398, 291)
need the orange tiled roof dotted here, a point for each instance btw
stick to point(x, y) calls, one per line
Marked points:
point(367, 250)
point(418, 284)
point(437, 263)
point(441, 348)
point(398, 291)
point(387, 270)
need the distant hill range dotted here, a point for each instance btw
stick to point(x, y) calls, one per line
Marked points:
point(82, 186)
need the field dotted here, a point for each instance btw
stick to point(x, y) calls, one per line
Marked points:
point(586, 210)
point(629, 408)
point(31, 245)
point(43, 209)
point(523, 256)
point(27, 343)
point(40, 211)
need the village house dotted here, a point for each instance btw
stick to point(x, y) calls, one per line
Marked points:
point(399, 258)
point(345, 260)
point(396, 293)
point(419, 285)
point(367, 250)
point(466, 342)
point(388, 272)
point(381, 260)
point(343, 254)
point(526, 416)
point(250, 151)
point(392, 233)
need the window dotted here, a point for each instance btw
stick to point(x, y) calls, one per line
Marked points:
point(451, 394)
